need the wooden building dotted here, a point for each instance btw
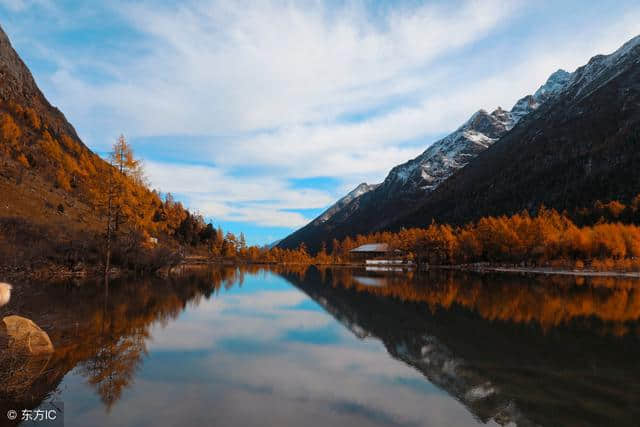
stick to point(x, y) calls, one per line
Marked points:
point(369, 251)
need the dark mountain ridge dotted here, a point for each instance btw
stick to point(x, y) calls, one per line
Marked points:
point(569, 144)
point(582, 147)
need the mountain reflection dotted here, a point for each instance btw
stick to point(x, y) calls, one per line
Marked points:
point(526, 349)
point(532, 350)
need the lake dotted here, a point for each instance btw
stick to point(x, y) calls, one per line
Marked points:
point(333, 347)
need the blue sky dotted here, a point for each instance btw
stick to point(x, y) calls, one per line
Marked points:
point(261, 114)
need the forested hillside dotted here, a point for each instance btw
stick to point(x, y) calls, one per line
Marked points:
point(61, 203)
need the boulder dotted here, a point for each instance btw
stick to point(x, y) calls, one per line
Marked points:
point(25, 337)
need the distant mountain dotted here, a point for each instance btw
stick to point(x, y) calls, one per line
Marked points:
point(340, 204)
point(406, 184)
point(581, 146)
point(444, 157)
point(322, 224)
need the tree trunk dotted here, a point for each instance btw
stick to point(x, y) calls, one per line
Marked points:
point(107, 264)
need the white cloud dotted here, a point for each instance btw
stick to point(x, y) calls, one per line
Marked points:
point(265, 201)
point(228, 67)
point(233, 68)
point(236, 66)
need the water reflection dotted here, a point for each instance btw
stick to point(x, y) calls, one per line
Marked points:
point(101, 334)
point(245, 347)
point(512, 348)
point(548, 301)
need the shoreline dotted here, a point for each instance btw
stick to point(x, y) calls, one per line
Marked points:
point(56, 273)
point(478, 268)
point(537, 270)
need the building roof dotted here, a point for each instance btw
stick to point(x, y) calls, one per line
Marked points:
point(372, 247)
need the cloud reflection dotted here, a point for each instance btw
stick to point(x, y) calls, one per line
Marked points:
point(243, 356)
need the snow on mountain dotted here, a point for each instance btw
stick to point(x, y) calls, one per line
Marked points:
point(603, 68)
point(578, 148)
point(424, 173)
point(554, 85)
point(523, 107)
point(355, 193)
point(454, 151)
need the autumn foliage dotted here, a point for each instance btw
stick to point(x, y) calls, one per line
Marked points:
point(548, 301)
point(59, 190)
point(548, 238)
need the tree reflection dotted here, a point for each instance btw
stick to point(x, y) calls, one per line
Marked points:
point(114, 366)
point(103, 333)
point(513, 349)
point(548, 301)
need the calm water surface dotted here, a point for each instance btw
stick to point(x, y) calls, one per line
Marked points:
point(234, 347)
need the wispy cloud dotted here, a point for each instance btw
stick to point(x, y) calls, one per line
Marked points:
point(233, 67)
point(265, 201)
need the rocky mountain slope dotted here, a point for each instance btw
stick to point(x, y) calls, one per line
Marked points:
point(342, 203)
point(411, 181)
point(45, 166)
point(344, 207)
point(444, 157)
point(581, 147)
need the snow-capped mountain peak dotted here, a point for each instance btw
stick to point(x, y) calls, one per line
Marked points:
point(554, 84)
point(603, 68)
point(336, 207)
point(444, 157)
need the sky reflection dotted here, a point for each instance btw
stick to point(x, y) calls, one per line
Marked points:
point(265, 354)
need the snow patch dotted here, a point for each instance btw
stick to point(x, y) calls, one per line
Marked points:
point(480, 392)
point(480, 132)
point(340, 204)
